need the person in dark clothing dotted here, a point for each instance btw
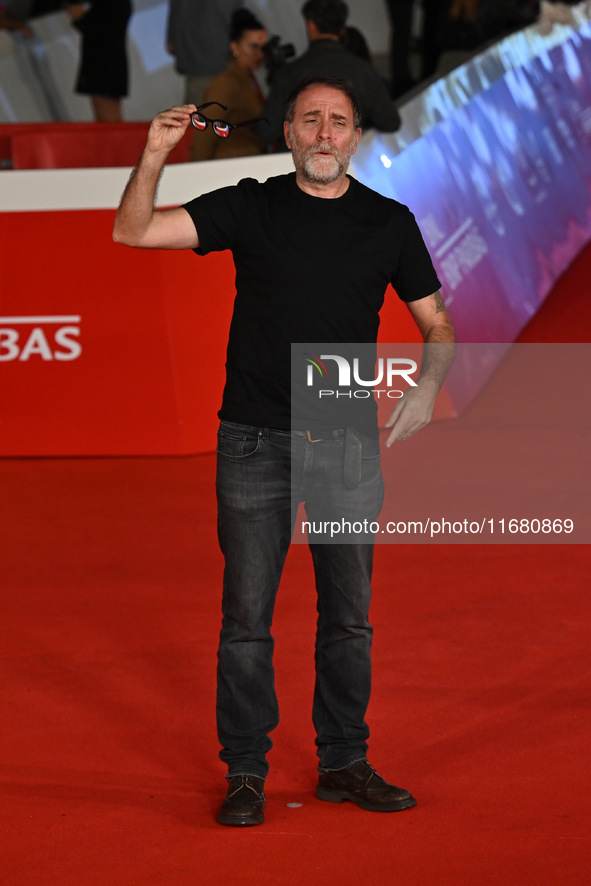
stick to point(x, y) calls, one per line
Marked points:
point(433, 26)
point(10, 23)
point(401, 14)
point(326, 56)
point(314, 252)
point(491, 20)
point(434, 17)
point(103, 72)
point(197, 37)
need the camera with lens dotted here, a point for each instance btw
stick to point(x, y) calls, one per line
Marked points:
point(275, 54)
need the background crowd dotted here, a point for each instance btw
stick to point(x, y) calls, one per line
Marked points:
point(226, 55)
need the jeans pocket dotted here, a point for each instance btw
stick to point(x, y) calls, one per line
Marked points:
point(370, 447)
point(236, 444)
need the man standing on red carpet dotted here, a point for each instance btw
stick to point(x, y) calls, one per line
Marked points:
point(314, 252)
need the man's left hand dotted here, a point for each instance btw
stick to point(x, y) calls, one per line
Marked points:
point(412, 414)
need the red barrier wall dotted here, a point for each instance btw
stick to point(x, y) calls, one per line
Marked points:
point(145, 334)
point(77, 145)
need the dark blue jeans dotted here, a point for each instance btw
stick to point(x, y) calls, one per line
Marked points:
point(262, 473)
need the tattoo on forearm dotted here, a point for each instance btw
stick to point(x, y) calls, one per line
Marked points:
point(439, 305)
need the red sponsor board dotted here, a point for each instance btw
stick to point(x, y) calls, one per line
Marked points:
point(106, 350)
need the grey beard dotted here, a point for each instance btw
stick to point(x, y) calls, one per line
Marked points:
point(324, 176)
point(305, 163)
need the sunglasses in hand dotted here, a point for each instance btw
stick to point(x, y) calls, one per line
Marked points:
point(221, 127)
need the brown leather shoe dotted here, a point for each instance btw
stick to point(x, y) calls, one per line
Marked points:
point(360, 783)
point(244, 802)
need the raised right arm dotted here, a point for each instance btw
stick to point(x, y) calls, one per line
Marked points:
point(138, 223)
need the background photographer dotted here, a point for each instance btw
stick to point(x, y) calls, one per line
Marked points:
point(326, 56)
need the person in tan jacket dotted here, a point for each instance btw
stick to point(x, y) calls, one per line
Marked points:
point(238, 89)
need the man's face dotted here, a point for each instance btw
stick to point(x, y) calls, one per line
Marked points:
point(322, 136)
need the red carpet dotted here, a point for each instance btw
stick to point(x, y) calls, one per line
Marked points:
point(110, 578)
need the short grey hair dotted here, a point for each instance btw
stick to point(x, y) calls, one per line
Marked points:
point(334, 83)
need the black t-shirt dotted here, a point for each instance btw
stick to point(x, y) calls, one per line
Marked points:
point(308, 269)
